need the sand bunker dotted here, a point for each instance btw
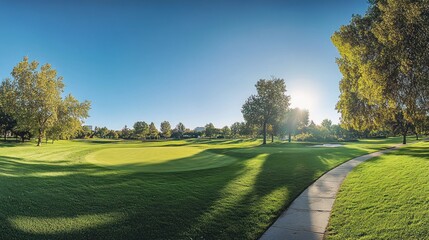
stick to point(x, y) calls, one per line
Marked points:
point(330, 145)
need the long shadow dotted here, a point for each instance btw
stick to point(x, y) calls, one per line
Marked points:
point(281, 177)
point(98, 203)
point(137, 205)
point(9, 143)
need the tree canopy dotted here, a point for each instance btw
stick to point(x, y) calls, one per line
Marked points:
point(69, 118)
point(268, 106)
point(209, 130)
point(180, 128)
point(141, 129)
point(384, 63)
point(153, 131)
point(296, 118)
point(165, 129)
point(33, 98)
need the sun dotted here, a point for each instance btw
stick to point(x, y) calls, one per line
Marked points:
point(303, 98)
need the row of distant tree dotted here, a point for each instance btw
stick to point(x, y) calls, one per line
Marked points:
point(296, 127)
point(143, 131)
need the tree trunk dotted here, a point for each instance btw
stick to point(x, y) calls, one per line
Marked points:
point(272, 138)
point(417, 136)
point(39, 138)
point(404, 134)
point(5, 135)
point(264, 126)
point(289, 137)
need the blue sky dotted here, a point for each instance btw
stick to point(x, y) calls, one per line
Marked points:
point(183, 61)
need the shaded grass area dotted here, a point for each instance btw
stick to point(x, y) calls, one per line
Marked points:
point(385, 198)
point(53, 192)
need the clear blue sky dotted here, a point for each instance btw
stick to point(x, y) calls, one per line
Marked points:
point(189, 61)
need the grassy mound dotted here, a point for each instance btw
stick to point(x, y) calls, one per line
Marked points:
point(159, 159)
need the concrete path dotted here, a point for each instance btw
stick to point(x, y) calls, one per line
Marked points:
point(308, 215)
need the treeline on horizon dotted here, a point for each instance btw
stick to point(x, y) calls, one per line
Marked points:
point(301, 130)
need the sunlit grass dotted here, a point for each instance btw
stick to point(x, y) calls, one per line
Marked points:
point(220, 189)
point(159, 159)
point(385, 198)
point(55, 225)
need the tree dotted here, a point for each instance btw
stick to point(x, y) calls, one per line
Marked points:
point(271, 130)
point(235, 129)
point(180, 128)
point(23, 134)
point(384, 58)
point(126, 132)
point(326, 123)
point(7, 123)
point(141, 129)
point(70, 116)
point(112, 134)
point(8, 111)
point(268, 106)
point(326, 129)
point(296, 119)
point(101, 132)
point(249, 129)
point(226, 132)
point(33, 98)
point(84, 132)
point(209, 130)
point(38, 95)
point(153, 132)
point(165, 129)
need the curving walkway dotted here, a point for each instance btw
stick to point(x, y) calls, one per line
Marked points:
point(308, 215)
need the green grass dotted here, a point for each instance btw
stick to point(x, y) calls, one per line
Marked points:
point(176, 190)
point(385, 198)
point(159, 159)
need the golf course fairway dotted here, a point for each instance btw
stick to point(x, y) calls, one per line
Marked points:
point(159, 159)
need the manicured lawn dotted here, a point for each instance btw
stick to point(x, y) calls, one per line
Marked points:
point(157, 190)
point(159, 159)
point(385, 198)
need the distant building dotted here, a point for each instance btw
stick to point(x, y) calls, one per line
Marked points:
point(199, 129)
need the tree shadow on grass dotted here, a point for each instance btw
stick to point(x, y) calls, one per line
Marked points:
point(266, 185)
point(413, 151)
point(44, 199)
point(9, 143)
point(85, 201)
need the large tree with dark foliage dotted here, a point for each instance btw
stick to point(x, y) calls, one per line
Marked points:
point(268, 106)
point(384, 63)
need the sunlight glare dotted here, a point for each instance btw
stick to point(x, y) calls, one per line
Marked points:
point(303, 98)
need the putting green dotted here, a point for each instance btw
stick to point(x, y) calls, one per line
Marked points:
point(159, 159)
